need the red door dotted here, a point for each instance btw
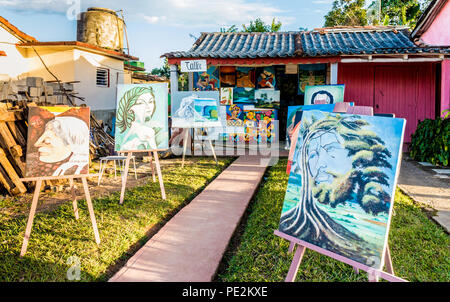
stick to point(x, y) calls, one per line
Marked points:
point(396, 91)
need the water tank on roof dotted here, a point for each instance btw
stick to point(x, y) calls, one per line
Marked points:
point(101, 27)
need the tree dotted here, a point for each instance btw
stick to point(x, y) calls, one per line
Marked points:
point(395, 12)
point(346, 13)
point(362, 183)
point(164, 71)
point(260, 26)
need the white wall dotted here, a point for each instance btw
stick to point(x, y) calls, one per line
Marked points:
point(97, 97)
point(14, 64)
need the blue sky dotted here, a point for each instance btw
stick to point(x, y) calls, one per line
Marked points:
point(155, 27)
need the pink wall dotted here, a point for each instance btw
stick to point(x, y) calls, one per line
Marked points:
point(445, 85)
point(439, 34)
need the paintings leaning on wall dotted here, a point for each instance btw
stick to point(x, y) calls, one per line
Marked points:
point(324, 94)
point(195, 109)
point(266, 78)
point(142, 117)
point(267, 98)
point(208, 80)
point(245, 77)
point(226, 96)
point(227, 76)
point(311, 75)
point(344, 206)
point(58, 141)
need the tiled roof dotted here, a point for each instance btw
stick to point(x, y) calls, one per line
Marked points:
point(319, 42)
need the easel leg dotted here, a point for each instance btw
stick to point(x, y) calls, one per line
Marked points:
point(37, 190)
point(291, 247)
point(160, 178)
point(295, 264)
point(74, 197)
point(124, 178)
point(186, 135)
point(91, 209)
point(213, 151)
point(388, 261)
point(151, 166)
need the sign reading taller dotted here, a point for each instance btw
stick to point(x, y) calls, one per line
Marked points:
point(193, 66)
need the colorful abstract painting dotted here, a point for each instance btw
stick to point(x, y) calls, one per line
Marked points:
point(195, 109)
point(266, 78)
point(235, 115)
point(58, 141)
point(142, 117)
point(342, 183)
point(267, 98)
point(244, 95)
point(226, 96)
point(245, 77)
point(324, 94)
point(311, 75)
point(208, 80)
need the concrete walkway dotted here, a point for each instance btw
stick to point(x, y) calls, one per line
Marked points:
point(190, 246)
point(425, 186)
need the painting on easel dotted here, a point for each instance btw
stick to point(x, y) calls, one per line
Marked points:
point(141, 119)
point(58, 141)
point(342, 184)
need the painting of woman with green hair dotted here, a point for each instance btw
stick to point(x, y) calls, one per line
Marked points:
point(141, 117)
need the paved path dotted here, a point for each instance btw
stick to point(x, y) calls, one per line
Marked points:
point(190, 246)
point(426, 187)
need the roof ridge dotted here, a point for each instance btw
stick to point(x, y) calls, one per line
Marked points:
point(15, 31)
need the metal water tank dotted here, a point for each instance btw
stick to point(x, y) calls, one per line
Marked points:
point(101, 27)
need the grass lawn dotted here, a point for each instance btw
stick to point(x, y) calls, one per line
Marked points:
point(419, 248)
point(56, 234)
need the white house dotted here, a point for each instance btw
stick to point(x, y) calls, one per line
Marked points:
point(95, 71)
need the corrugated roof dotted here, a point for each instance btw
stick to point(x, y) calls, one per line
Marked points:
point(319, 42)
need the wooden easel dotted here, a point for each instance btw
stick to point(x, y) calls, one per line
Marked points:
point(34, 203)
point(185, 139)
point(373, 274)
point(158, 170)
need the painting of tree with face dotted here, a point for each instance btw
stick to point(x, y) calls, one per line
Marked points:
point(58, 141)
point(141, 117)
point(342, 183)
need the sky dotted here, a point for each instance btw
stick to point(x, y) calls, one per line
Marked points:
point(155, 27)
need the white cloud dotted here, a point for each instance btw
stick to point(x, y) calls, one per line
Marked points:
point(323, 1)
point(185, 13)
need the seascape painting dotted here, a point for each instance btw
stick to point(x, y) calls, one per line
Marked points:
point(342, 184)
point(324, 94)
point(267, 98)
point(184, 114)
point(142, 117)
point(244, 95)
point(58, 141)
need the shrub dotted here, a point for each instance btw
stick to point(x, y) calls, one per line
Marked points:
point(431, 140)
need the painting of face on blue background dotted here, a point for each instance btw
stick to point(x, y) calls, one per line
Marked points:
point(342, 184)
point(142, 117)
point(324, 94)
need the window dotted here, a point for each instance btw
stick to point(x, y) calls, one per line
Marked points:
point(103, 77)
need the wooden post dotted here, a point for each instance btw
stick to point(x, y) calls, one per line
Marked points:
point(388, 261)
point(160, 178)
point(151, 166)
point(74, 198)
point(125, 177)
point(291, 247)
point(91, 209)
point(34, 203)
point(186, 134)
point(295, 264)
point(213, 151)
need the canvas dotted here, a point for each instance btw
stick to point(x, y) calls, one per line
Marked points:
point(267, 98)
point(142, 117)
point(208, 80)
point(245, 77)
point(195, 109)
point(226, 96)
point(341, 187)
point(58, 141)
point(235, 115)
point(227, 76)
point(311, 75)
point(266, 78)
point(244, 95)
point(324, 94)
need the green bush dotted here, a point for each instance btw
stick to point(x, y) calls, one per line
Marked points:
point(431, 140)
